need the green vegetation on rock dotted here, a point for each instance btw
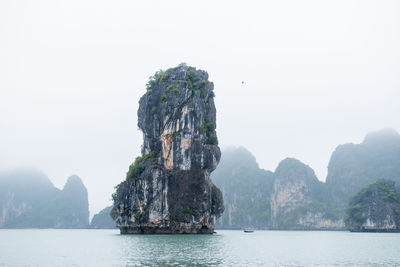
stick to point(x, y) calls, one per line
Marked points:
point(175, 134)
point(187, 211)
point(159, 76)
point(136, 168)
point(375, 208)
point(354, 166)
point(209, 128)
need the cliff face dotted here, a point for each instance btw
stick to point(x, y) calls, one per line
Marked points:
point(73, 202)
point(297, 199)
point(29, 200)
point(21, 192)
point(291, 191)
point(354, 166)
point(246, 190)
point(289, 198)
point(168, 189)
point(292, 197)
point(375, 209)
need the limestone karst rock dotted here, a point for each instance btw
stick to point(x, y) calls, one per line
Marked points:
point(376, 208)
point(291, 197)
point(168, 189)
point(74, 204)
point(103, 220)
point(354, 166)
point(298, 199)
point(28, 199)
point(246, 189)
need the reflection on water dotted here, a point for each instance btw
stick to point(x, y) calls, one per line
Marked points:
point(262, 248)
point(172, 250)
point(227, 248)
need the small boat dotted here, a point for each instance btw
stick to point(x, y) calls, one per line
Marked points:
point(248, 230)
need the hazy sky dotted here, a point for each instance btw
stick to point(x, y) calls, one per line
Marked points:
point(317, 74)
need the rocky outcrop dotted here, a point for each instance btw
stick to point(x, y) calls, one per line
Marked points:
point(103, 220)
point(246, 189)
point(168, 189)
point(292, 197)
point(375, 209)
point(296, 200)
point(29, 200)
point(354, 166)
point(74, 203)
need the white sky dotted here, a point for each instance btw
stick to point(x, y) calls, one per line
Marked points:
point(317, 74)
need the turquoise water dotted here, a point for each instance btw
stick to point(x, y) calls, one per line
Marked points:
point(226, 248)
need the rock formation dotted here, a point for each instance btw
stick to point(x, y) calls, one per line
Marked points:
point(297, 199)
point(354, 166)
point(168, 189)
point(375, 209)
point(292, 197)
point(73, 204)
point(103, 220)
point(28, 199)
point(246, 189)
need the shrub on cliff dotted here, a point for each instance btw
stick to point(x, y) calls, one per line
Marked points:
point(136, 168)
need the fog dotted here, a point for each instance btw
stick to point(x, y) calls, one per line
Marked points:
point(316, 74)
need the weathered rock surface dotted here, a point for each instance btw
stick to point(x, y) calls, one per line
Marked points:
point(297, 199)
point(375, 209)
point(168, 189)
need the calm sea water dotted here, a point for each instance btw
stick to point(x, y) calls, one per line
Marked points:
point(226, 248)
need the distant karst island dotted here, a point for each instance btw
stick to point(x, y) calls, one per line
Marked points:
point(168, 189)
point(293, 198)
point(28, 199)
